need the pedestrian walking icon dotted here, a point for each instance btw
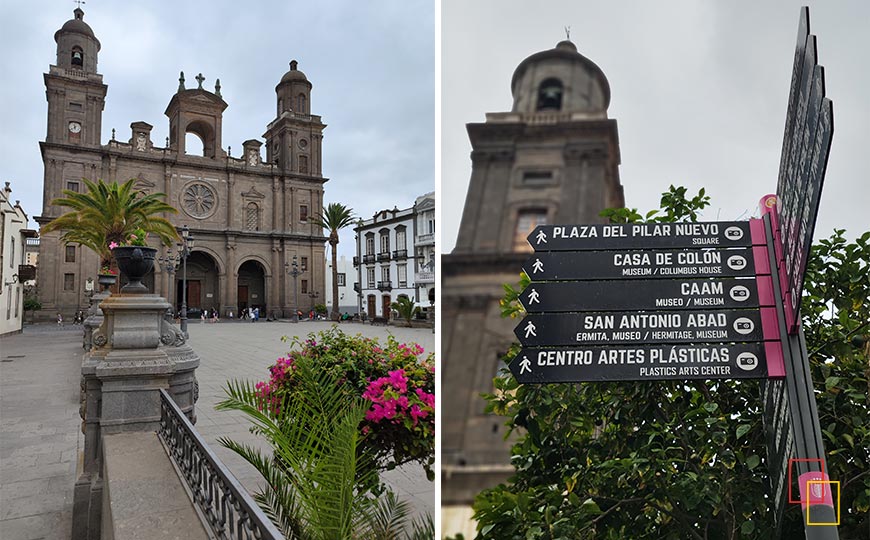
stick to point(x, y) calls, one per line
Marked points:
point(530, 330)
point(525, 365)
point(538, 266)
point(534, 297)
point(541, 237)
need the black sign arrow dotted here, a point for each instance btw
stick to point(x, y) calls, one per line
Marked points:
point(623, 264)
point(641, 327)
point(645, 294)
point(640, 363)
point(642, 236)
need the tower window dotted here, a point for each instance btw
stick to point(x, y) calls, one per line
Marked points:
point(70, 254)
point(69, 282)
point(537, 178)
point(303, 286)
point(300, 104)
point(303, 213)
point(78, 57)
point(252, 217)
point(550, 95)
point(527, 220)
point(303, 164)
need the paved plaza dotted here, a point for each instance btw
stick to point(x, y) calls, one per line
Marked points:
point(40, 426)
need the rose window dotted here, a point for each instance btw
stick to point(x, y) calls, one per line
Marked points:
point(199, 200)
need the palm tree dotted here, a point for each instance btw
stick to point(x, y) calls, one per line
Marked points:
point(406, 308)
point(316, 468)
point(106, 213)
point(334, 217)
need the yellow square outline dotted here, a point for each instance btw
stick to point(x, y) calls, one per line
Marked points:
point(830, 482)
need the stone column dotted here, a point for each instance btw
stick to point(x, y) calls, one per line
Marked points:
point(136, 353)
point(275, 203)
point(231, 199)
point(231, 284)
point(272, 279)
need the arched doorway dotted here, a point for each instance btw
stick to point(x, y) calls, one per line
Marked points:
point(203, 290)
point(385, 306)
point(252, 287)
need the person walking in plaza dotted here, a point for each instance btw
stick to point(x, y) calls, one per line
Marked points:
point(60, 320)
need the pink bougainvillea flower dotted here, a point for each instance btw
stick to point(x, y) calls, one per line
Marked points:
point(113, 245)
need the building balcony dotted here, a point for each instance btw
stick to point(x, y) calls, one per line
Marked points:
point(384, 256)
point(425, 239)
point(368, 259)
point(385, 285)
point(403, 284)
point(355, 260)
point(400, 254)
point(356, 286)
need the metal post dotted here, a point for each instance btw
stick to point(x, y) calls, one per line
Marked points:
point(183, 315)
point(293, 270)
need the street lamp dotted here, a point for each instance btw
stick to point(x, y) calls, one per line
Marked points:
point(184, 249)
point(293, 270)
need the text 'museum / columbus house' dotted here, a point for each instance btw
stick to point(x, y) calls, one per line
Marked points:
point(554, 158)
point(248, 214)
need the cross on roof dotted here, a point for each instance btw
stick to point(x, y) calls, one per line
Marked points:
point(199, 78)
point(568, 33)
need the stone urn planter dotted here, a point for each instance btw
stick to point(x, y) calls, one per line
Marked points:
point(134, 262)
point(106, 280)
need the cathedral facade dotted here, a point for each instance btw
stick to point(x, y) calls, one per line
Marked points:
point(553, 159)
point(249, 215)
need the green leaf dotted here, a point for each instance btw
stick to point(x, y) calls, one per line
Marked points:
point(742, 429)
point(747, 528)
point(591, 507)
point(752, 461)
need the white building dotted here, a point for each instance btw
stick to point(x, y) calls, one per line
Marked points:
point(396, 257)
point(13, 269)
point(347, 298)
point(424, 248)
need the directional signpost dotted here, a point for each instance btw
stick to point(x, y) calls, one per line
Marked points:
point(659, 301)
point(648, 302)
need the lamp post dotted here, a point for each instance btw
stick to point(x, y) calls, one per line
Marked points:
point(184, 249)
point(293, 270)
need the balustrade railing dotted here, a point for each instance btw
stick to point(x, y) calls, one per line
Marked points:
point(229, 510)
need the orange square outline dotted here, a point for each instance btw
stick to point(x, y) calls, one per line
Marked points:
point(800, 460)
point(829, 482)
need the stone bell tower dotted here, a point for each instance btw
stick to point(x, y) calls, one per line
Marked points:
point(74, 90)
point(196, 111)
point(553, 158)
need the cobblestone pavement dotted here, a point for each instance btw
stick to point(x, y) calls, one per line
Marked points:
point(40, 428)
point(39, 431)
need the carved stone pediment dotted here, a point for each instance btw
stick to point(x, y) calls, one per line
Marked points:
point(253, 194)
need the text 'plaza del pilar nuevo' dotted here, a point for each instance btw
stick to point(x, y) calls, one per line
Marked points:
point(249, 215)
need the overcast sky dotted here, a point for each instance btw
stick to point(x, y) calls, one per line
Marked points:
point(699, 91)
point(371, 64)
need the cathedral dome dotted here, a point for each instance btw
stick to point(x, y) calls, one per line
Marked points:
point(76, 25)
point(294, 74)
point(560, 79)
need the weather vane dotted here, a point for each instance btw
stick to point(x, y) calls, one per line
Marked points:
point(80, 2)
point(568, 33)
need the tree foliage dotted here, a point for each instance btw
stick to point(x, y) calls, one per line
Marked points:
point(318, 464)
point(406, 309)
point(106, 213)
point(682, 459)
